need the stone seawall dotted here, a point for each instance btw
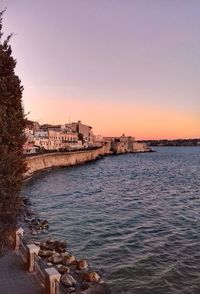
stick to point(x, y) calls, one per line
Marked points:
point(132, 147)
point(59, 159)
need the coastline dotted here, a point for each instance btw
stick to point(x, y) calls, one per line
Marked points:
point(145, 160)
point(39, 162)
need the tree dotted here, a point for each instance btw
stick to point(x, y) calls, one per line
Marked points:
point(12, 124)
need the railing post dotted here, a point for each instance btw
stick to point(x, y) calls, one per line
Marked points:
point(18, 235)
point(32, 249)
point(52, 276)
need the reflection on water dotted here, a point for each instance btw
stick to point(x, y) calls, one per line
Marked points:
point(135, 217)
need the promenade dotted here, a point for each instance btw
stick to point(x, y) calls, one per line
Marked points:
point(14, 277)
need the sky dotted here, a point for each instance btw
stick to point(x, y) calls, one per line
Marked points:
point(121, 66)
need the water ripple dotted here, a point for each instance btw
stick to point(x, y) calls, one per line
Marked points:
point(135, 217)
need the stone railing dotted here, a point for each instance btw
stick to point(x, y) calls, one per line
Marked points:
point(48, 276)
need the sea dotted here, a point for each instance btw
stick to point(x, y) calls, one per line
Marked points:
point(134, 217)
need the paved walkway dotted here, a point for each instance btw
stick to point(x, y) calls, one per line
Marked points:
point(15, 279)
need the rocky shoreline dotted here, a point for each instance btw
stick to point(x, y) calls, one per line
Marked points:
point(77, 276)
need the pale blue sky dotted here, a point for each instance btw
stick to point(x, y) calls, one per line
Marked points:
point(138, 53)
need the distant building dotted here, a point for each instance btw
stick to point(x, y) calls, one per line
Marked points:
point(41, 133)
point(47, 127)
point(56, 139)
point(30, 129)
point(70, 136)
point(42, 142)
point(30, 149)
point(61, 139)
point(85, 132)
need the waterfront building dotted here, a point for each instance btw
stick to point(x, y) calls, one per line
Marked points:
point(42, 142)
point(62, 140)
point(41, 133)
point(55, 139)
point(30, 129)
point(30, 148)
point(84, 132)
point(69, 136)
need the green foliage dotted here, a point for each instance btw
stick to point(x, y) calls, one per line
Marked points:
point(12, 124)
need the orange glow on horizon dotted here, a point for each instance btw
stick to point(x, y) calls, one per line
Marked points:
point(113, 119)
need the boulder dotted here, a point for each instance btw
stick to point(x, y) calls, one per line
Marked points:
point(45, 224)
point(84, 286)
point(47, 245)
point(35, 222)
point(64, 254)
point(49, 241)
point(57, 266)
point(67, 280)
point(71, 290)
point(26, 201)
point(91, 277)
point(81, 264)
point(68, 259)
point(34, 232)
point(36, 243)
point(45, 253)
point(60, 250)
point(28, 219)
point(55, 258)
point(50, 264)
point(60, 246)
point(63, 269)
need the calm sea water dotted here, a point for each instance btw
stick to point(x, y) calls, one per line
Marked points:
point(134, 217)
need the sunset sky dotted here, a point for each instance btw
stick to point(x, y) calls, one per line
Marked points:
point(121, 66)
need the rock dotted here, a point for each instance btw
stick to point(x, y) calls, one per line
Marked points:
point(55, 258)
point(49, 264)
point(63, 244)
point(28, 219)
point(30, 213)
point(45, 253)
point(81, 265)
point(68, 280)
point(71, 290)
point(69, 259)
point(84, 286)
point(46, 245)
point(91, 277)
point(61, 250)
point(49, 241)
point(35, 222)
point(36, 243)
point(26, 201)
point(38, 227)
point(34, 232)
point(45, 224)
point(65, 254)
point(60, 246)
point(63, 269)
point(57, 266)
